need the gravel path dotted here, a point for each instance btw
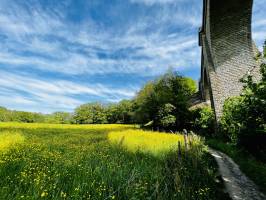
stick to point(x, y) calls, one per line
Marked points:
point(237, 184)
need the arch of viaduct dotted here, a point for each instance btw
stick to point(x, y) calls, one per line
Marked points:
point(227, 50)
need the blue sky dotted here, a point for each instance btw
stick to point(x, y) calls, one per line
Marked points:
point(58, 54)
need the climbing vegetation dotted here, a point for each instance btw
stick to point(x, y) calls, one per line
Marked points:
point(244, 117)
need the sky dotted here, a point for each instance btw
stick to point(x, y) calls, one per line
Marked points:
point(58, 54)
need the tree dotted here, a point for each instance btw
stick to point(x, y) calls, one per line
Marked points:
point(21, 116)
point(124, 111)
point(171, 88)
point(83, 114)
point(175, 89)
point(99, 114)
point(91, 113)
point(146, 105)
point(59, 118)
point(166, 117)
point(112, 114)
point(5, 115)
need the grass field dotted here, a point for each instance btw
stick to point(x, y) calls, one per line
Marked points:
point(45, 161)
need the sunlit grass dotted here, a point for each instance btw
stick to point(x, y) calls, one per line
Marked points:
point(9, 139)
point(155, 143)
point(18, 125)
point(51, 161)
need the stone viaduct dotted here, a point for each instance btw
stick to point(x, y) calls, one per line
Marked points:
point(227, 50)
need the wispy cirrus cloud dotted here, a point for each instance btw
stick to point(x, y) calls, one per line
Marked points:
point(59, 94)
point(85, 49)
point(259, 23)
point(55, 55)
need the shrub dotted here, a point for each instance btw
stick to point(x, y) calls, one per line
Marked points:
point(203, 120)
point(232, 119)
point(243, 119)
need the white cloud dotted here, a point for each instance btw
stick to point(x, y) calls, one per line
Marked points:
point(54, 94)
point(259, 22)
point(28, 30)
point(43, 41)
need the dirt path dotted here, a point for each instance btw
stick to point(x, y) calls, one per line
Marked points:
point(237, 184)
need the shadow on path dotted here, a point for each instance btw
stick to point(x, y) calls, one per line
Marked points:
point(237, 184)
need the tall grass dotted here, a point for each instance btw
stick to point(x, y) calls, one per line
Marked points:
point(91, 162)
point(8, 139)
point(149, 142)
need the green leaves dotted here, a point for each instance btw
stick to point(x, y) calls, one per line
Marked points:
point(203, 120)
point(244, 117)
point(165, 101)
point(91, 113)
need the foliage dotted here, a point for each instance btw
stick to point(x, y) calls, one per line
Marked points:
point(79, 162)
point(244, 117)
point(5, 115)
point(203, 120)
point(151, 104)
point(166, 117)
point(146, 104)
point(31, 117)
point(91, 113)
point(96, 113)
point(170, 89)
point(231, 121)
point(122, 112)
point(59, 118)
point(26, 117)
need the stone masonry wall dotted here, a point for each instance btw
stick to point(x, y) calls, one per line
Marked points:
point(227, 48)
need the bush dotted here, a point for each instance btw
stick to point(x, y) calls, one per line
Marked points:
point(203, 121)
point(232, 119)
point(243, 120)
point(254, 141)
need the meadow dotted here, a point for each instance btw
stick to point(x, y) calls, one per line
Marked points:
point(46, 161)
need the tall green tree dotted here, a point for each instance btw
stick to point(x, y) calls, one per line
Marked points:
point(146, 105)
point(125, 111)
point(172, 89)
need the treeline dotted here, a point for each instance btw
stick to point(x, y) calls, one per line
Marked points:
point(160, 104)
point(31, 117)
point(91, 113)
